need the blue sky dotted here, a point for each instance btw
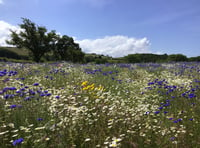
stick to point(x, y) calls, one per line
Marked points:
point(113, 27)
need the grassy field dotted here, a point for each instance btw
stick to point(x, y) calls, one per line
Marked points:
point(21, 51)
point(64, 105)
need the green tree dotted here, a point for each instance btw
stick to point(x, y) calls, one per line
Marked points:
point(41, 43)
point(66, 49)
point(196, 59)
point(177, 58)
point(34, 38)
point(133, 58)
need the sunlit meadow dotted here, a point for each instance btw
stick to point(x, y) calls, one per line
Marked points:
point(63, 105)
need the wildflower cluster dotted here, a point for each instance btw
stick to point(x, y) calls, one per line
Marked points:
point(112, 105)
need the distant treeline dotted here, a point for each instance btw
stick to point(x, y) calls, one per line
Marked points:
point(7, 53)
point(145, 58)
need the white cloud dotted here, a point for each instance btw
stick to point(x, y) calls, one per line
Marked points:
point(1, 1)
point(5, 32)
point(115, 46)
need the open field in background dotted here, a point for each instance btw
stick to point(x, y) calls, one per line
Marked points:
point(64, 105)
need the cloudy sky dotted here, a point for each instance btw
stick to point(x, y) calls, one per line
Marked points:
point(113, 27)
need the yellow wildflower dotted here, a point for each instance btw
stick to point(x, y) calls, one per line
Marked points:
point(84, 83)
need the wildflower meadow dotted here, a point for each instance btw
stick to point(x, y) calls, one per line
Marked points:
point(64, 105)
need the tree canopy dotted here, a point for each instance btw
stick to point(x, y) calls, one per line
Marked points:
point(40, 42)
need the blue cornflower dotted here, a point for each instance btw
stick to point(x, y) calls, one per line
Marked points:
point(18, 91)
point(39, 91)
point(179, 120)
point(35, 84)
point(57, 97)
point(172, 138)
point(156, 112)
point(6, 80)
point(42, 95)
point(22, 89)
point(191, 119)
point(12, 88)
point(31, 92)
point(46, 91)
point(191, 95)
point(175, 121)
point(49, 94)
point(183, 94)
point(13, 106)
point(6, 96)
point(167, 104)
point(150, 83)
point(165, 112)
point(27, 98)
point(39, 119)
point(18, 141)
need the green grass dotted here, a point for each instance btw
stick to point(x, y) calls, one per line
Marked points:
point(61, 105)
point(19, 51)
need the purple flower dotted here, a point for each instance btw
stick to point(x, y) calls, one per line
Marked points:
point(147, 113)
point(18, 141)
point(172, 138)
